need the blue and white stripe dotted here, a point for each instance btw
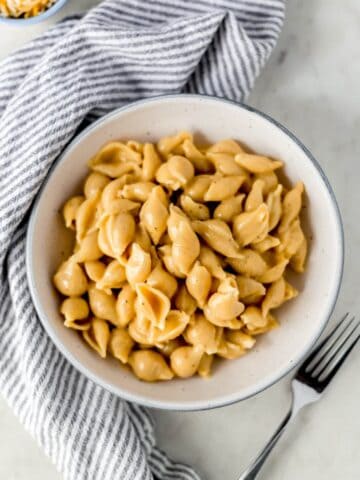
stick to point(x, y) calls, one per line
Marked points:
point(80, 69)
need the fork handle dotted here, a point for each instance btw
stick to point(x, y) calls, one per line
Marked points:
point(254, 468)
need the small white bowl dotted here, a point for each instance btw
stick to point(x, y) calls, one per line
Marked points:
point(302, 320)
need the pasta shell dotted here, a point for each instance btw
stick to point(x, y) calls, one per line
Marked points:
point(76, 312)
point(297, 261)
point(70, 209)
point(113, 277)
point(155, 258)
point(273, 273)
point(212, 262)
point(274, 205)
point(111, 202)
point(267, 243)
point(205, 365)
point(250, 263)
point(94, 270)
point(104, 242)
point(223, 307)
point(176, 218)
point(143, 331)
point(116, 159)
point(198, 283)
point(116, 234)
point(70, 279)
point(230, 350)
point(255, 196)
point(125, 306)
point(167, 144)
point(257, 163)
point(186, 246)
point(218, 236)
point(168, 347)
point(203, 333)
point(291, 239)
point(168, 260)
point(228, 146)
point(103, 305)
point(138, 267)
point(88, 250)
point(271, 323)
point(181, 169)
point(86, 217)
point(184, 301)
point(166, 179)
point(228, 285)
point(198, 186)
point(270, 181)
point(250, 290)
point(122, 205)
point(115, 152)
point(150, 366)
point(118, 169)
point(140, 330)
point(197, 158)
point(252, 226)
point(185, 361)
point(139, 191)
point(162, 280)
point(95, 183)
point(194, 210)
point(291, 206)
point(121, 232)
point(176, 322)
point(222, 188)
point(154, 214)
point(142, 238)
point(97, 336)
point(225, 163)
point(120, 344)
point(227, 209)
point(152, 304)
point(253, 317)
point(290, 292)
point(136, 146)
point(215, 284)
point(151, 162)
point(275, 296)
point(240, 338)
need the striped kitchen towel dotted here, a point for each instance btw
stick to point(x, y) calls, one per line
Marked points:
point(80, 69)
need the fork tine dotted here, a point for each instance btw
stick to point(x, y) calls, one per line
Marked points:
point(341, 360)
point(338, 349)
point(331, 345)
point(313, 354)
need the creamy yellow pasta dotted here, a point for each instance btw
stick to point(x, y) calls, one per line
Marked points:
point(180, 254)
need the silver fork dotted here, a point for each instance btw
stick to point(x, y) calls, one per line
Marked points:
point(312, 378)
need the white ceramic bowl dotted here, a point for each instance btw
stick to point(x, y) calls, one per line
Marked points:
point(25, 22)
point(302, 320)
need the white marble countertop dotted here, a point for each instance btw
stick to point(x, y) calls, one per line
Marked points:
point(311, 85)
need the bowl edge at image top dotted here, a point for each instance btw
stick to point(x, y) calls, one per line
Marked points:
point(24, 22)
point(182, 405)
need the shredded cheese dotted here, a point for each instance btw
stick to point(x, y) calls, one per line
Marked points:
point(24, 8)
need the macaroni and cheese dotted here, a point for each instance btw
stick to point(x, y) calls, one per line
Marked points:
point(24, 8)
point(181, 253)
